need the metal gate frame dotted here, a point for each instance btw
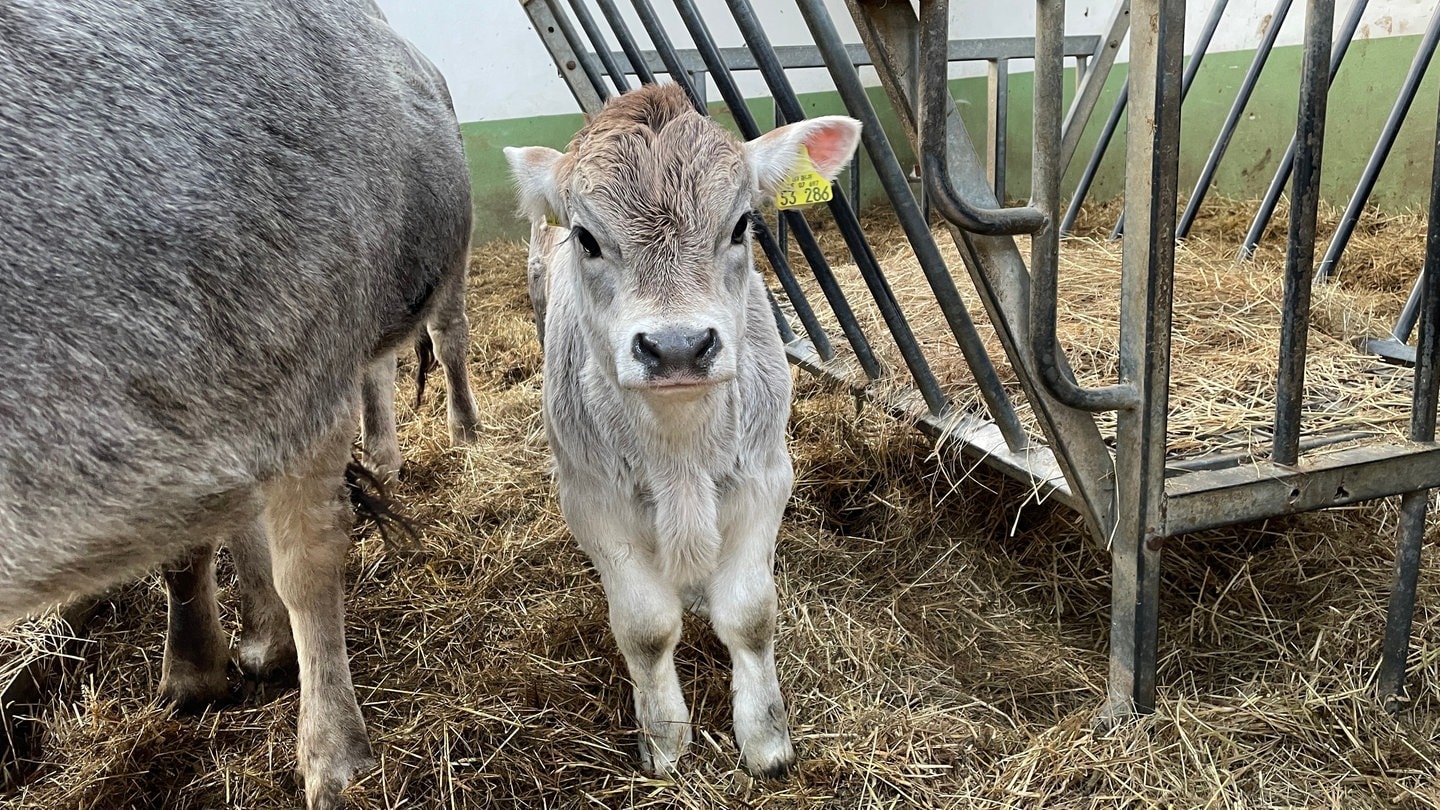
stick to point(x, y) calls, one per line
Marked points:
point(1131, 498)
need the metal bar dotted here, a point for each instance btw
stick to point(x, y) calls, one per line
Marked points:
point(582, 54)
point(597, 42)
point(897, 188)
point(1220, 461)
point(1263, 489)
point(640, 66)
point(997, 124)
point(679, 72)
point(891, 31)
point(845, 220)
point(1092, 166)
point(935, 104)
point(1400, 614)
point(546, 19)
point(1232, 118)
point(1378, 156)
point(1045, 192)
point(1147, 279)
point(791, 219)
point(1282, 172)
point(1192, 69)
point(805, 56)
point(1091, 85)
point(775, 254)
point(1300, 255)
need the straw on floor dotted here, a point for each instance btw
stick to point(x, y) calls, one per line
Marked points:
point(940, 644)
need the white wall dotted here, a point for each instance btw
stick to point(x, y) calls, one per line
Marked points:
point(498, 69)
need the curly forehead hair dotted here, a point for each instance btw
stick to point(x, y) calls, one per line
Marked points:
point(649, 157)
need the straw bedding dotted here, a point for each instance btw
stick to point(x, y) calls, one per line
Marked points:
point(940, 645)
point(1226, 324)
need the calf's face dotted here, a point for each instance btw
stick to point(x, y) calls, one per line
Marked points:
point(657, 206)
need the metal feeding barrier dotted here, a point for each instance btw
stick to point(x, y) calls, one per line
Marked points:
point(1132, 498)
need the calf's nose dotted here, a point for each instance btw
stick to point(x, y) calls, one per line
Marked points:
point(676, 351)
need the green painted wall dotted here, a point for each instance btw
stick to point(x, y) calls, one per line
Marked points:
point(1361, 99)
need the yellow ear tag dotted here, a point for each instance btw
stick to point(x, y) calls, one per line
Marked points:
point(551, 219)
point(804, 186)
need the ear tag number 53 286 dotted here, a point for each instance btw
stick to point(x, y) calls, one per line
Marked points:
point(804, 186)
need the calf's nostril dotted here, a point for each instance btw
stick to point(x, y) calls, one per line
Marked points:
point(709, 345)
point(645, 350)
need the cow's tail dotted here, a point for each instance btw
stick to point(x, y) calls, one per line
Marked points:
point(371, 502)
point(425, 363)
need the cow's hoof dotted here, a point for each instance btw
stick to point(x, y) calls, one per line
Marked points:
point(465, 431)
point(660, 753)
point(188, 690)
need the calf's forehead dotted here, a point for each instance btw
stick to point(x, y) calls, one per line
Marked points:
point(678, 185)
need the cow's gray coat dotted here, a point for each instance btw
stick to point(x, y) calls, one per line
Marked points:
point(213, 218)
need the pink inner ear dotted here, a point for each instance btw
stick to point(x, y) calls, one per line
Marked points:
point(830, 147)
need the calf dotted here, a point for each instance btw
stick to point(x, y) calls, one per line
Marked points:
point(666, 391)
point(215, 219)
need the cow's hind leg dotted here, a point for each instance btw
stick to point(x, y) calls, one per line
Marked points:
point(449, 329)
point(193, 671)
point(742, 605)
point(267, 648)
point(305, 518)
point(377, 418)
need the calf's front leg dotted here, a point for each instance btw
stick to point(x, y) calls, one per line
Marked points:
point(743, 604)
point(377, 418)
point(305, 519)
point(645, 616)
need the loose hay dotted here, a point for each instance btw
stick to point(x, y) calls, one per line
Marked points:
point(940, 646)
point(1226, 325)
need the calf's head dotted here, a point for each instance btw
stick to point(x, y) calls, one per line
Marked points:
point(656, 201)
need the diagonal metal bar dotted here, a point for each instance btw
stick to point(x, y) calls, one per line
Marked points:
point(597, 42)
point(1092, 83)
point(891, 32)
point(1287, 162)
point(1232, 118)
point(550, 23)
point(917, 231)
point(1378, 156)
point(845, 220)
point(639, 64)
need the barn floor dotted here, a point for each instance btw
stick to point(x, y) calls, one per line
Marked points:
point(940, 645)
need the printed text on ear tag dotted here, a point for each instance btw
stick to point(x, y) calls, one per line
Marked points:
point(804, 186)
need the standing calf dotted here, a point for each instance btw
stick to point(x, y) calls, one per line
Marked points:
point(215, 218)
point(667, 391)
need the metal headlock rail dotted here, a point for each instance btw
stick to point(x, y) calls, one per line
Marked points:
point(1131, 498)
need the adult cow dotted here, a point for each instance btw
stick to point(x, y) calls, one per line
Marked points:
point(214, 217)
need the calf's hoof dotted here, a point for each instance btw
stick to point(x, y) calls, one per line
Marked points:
point(660, 752)
point(267, 666)
point(773, 764)
point(324, 775)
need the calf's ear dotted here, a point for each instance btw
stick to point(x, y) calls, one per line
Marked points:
point(536, 187)
point(830, 140)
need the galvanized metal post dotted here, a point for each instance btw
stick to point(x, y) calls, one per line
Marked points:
point(997, 125)
point(552, 28)
point(1300, 255)
point(1413, 505)
point(1147, 278)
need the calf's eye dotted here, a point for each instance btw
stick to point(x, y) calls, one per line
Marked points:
point(737, 236)
point(587, 243)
